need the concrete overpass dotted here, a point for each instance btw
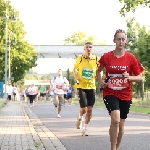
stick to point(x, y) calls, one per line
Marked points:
point(63, 51)
point(69, 51)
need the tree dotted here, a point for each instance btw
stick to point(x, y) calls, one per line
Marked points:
point(139, 45)
point(70, 77)
point(23, 58)
point(80, 38)
point(23, 55)
point(139, 41)
point(131, 5)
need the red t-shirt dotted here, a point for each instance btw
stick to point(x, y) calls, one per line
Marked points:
point(119, 86)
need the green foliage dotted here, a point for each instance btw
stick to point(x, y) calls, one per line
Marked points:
point(2, 104)
point(147, 80)
point(139, 45)
point(70, 77)
point(22, 59)
point(23, 56)
point(37, 144)
point(131, 5)
point(20, 84)
point(139, 41)
point(80, 38)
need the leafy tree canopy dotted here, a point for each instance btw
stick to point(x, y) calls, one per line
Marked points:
point(139, 41)
point(80, 38)
point(139, 44)
point(131, 5)
point(23, 56)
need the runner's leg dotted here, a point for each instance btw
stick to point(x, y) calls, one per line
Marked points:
point(83, 107)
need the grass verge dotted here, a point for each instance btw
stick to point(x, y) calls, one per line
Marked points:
point(2, 103)
point(137, 106)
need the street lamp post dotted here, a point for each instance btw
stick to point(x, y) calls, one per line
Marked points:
point(9, 75)
point(6, 21)
point(6, 49)
point(9, 50)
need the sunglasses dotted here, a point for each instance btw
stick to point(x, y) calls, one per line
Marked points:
point(88, 46)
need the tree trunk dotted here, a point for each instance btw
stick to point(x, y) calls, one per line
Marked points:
point(142, 90)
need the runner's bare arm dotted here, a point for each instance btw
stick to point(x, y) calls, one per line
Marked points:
point(137, 78)
point(98, 75)
point(52, 84)
point(75, 74)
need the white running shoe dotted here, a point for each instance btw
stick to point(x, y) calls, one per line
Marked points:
point(31, 105)
point(85, 132)
point(79, 123)
point(58, 116)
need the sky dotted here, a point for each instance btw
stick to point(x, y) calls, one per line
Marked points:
point(49, 22)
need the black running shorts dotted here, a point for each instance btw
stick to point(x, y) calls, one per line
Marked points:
point(113, 103)
point(86, 97)
point(65, 96)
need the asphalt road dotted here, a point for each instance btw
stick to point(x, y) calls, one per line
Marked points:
point(137, 128)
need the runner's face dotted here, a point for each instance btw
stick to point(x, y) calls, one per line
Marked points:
point(59, 72)
point(88, 49)
point(120, 40)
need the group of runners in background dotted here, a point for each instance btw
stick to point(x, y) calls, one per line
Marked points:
point(34, 93)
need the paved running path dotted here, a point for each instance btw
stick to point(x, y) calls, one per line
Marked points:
point(20, 129)
point(137, 128)
point(38, 128)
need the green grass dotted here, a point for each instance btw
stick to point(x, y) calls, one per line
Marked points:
point(48, 99)
point(140, 109)
point(1, 103)
point(137, 106)
point(138, 102)
point(36, 144)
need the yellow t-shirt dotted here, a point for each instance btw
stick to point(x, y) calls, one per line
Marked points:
point(86, 71)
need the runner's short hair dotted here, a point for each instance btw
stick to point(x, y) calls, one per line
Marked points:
point(88, 43)
point(119, 31)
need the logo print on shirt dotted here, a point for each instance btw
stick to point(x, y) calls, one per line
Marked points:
point(119, 67)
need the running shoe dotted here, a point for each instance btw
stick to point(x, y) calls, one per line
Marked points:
point(58, 116)
point(85, 132)
point(79, 123)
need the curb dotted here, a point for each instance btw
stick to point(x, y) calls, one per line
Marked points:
point(45, 137)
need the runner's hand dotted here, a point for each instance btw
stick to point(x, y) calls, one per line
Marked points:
point(126, 75)
point(76, 79)
point(103, 84)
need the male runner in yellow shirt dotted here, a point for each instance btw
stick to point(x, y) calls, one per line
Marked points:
point(85, 72)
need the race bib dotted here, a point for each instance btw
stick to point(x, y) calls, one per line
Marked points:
point(87, 73)
point(31, 92)
point(118, 83)
point(59, 87)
